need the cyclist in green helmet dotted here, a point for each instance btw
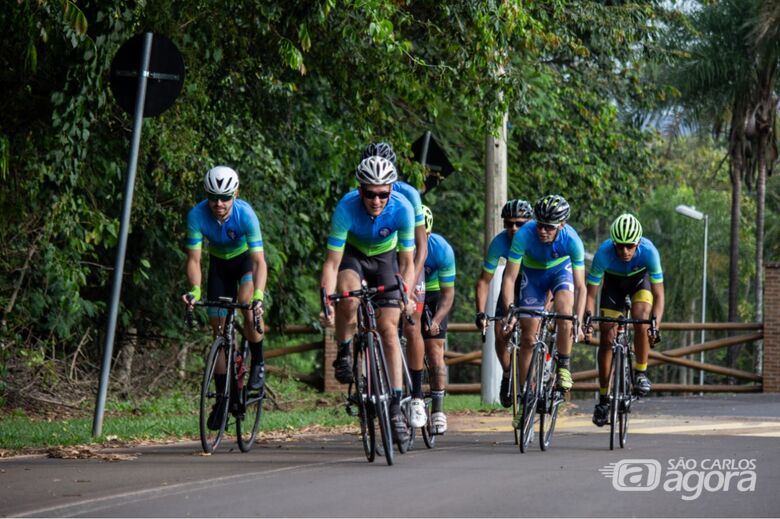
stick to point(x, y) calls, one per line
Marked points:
point(630, 267)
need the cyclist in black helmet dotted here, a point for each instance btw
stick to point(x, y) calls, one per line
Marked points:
point(553, 259)
point(515, 214)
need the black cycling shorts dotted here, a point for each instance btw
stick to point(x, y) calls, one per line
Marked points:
point(226, 275)
point(375, 270)
point(431, 305)
point(617, 288)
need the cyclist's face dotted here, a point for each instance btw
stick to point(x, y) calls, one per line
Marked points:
point(625, 251)
point(220, 206)
point(513, 224)
point(375, 197)
point(547, 232)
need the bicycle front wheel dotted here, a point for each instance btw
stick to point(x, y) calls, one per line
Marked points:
point(530, 399)
point(514, 382)
point(626, 391)
point(248, 421)
point(214, 402)
point(381, 393)
point(359, 397)
point(615, 394)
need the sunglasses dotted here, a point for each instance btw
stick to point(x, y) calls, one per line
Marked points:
point(223, 198)
point(370, 195)
point(546, 227)
point(509, 224)
point(627, 246)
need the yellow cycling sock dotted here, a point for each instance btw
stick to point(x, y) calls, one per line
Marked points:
point(640, 367)
point(603, 390)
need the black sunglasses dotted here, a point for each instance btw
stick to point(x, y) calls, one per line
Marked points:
point(370, 195)
point(626, 245)
point(546, 226)
point(509, 224)
point(224, 198)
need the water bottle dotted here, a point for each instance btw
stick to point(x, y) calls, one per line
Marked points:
point(547, 366)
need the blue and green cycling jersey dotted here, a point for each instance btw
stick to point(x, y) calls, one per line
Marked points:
point(535, 254)
point(236, 235)
point(352, 224)
point(607, 260)
point(498, 248)
point(413, 196)
point(439, 264)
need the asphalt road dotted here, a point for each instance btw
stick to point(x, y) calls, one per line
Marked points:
point(692, 457)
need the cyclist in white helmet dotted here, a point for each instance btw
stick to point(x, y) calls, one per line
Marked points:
point(371, 239)
point(237, 266)
point(629, 266)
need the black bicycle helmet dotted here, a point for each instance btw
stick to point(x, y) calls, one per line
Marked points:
point(517, 209)
point(551, 209)
point(379, 149)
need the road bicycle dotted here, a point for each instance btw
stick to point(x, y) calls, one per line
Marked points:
point(235, 399)
point(539, 393)
point(621, 375)
point(370, 391)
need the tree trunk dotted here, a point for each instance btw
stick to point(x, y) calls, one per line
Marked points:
point(125, 371)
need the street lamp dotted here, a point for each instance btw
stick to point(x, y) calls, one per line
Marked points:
point(691, 212)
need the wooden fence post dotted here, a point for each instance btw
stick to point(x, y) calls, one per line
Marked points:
point(330, 383)
point(771, 356)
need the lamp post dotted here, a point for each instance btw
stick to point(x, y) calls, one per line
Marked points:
point(691, 212)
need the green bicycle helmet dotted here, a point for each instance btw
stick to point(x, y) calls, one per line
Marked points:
point(626, 229)
point(428, 214)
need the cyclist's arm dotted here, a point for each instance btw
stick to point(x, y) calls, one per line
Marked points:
point(420, 250)
point(508, 284)
point(657, 290)
point(330, 270)
point(194, 275)
point(406, 266)
point(446, 298)
point(481, 290)
point(579, 292)
point(590, 301)
point(259, 270)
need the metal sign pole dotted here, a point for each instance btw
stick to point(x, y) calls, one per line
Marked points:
point(119, 264)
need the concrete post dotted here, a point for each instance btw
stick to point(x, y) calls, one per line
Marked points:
point(491, 368)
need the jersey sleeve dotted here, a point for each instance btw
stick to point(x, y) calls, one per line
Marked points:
point(493, 255)
point(406, 227)
point(447, 267)
point(194, 234)
point(251, 224)
point(339, 227)
point(517, 251)
point(654, 265)
point(576, 252)
point(597, 267)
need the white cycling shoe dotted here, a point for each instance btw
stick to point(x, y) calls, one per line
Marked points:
point(417, 416)
point(439, 422)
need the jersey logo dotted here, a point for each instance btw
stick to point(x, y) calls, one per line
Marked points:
point(384, 232)
point(232, 235)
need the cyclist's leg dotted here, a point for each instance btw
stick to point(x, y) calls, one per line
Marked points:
point(561, 284)
point(641, 307)
point(434, 350)
point(245, 290)
point(530, 295)
point(349, 278)
point(415, 355)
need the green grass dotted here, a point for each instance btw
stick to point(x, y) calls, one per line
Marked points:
point(176, 416)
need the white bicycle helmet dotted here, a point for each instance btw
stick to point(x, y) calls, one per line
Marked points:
point(376, 171)
point(221, 180)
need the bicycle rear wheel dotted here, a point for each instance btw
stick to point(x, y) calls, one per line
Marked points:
point(552, 399)
point(514, 383)
point(381, 393)
point(210, 398)
point(248, 421)
point(615, 395)
point(530, 399)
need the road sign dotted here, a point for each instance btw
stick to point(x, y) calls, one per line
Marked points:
point(165, 75)
point(430, 154)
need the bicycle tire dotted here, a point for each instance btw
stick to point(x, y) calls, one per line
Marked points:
point(615, 378)
point(427, 430)
point(210, 439)
point(248, 420)
point(381, 394)
point(549, 415)
point(515, 390)
point(366, 416)
point(627, 391)
point(530, 399)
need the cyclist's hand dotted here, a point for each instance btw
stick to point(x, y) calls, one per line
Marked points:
point(587, 334)
point(481, 321)
point(191, 297)
point(435, 327)
point(410, 307)
point(655, 337)
point(508, 322)
point(329, 320)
